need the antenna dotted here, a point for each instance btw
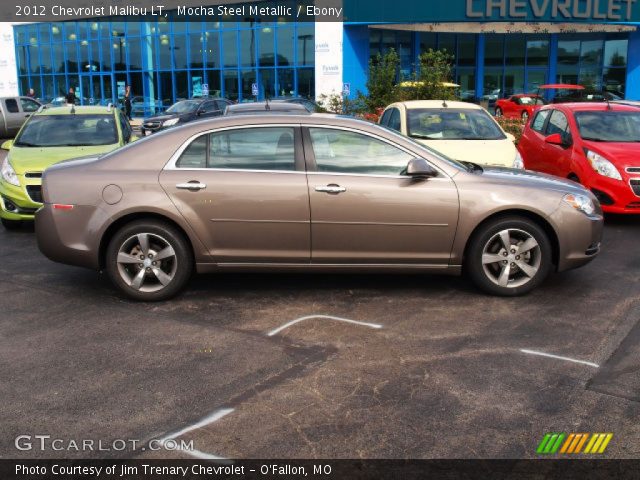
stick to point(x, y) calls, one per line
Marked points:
point(266, 103)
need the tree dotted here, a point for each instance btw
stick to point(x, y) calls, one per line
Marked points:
point(381, 81)
point(432, 80)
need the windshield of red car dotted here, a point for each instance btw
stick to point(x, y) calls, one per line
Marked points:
point(71, 130)
point(609, 126)
point(451, 124)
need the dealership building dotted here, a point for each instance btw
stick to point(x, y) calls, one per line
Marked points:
point(500, 47)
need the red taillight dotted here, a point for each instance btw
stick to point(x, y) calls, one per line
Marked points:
point(62, 206)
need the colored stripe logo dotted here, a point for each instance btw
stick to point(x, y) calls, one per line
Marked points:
point(574, 443)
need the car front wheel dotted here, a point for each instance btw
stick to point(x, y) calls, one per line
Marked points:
point(149, 260)
point(509, 256)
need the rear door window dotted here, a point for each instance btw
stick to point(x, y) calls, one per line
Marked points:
point(11, 105)
point(538, 121)
point(394, 121)
point(558, 123)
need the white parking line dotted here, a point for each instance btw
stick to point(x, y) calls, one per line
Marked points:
point(327, 317)
point(215, 416)
point(557, 357)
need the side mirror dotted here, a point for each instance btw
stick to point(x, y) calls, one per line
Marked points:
point(7, 145)
point(555, 139)
point(420, 168)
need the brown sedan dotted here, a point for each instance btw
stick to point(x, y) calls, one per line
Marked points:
point(307, 193)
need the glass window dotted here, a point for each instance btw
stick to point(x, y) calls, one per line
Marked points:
point(394, 120)
point(34, 61)
point(72, 57)
point(285, 43)
point(164, 52)
point(285, 82)
point(451, 124)
point(180, 51)
point(568, 52)
point(196, 44)
point(247, 78)
point(306, 55)
point(538, 121)
point(29, 105)
point(45, 33)
point(105, 55)
point(22, 59)
point(558, 123)
point(515, 50)
point(45, 59)
point(427, 41)
point(231, 84)
point(267, 82)
point(306, 82)
point(447, 41)
point(85, 56)
point(341, 151)
point(195, 155)
point(385, 117)
point(614, 80)
point(467, 50)
point(267, 52)
point(591, 52)
point(513, 81)
point(615, 53)
point(135, 54)
point(69, 130)
point(213, 80)
point(212, 52)
point(247, 48)
point(538, 52)
point(11, 105)
point(230, 48)
point(269, 148)
point(494, 50)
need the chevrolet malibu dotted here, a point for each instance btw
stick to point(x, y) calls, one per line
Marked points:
point(308, 193)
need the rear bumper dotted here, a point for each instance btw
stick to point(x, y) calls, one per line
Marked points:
point(65, 236)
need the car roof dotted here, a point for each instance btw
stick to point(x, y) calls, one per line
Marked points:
point(77, 110)
point(592, 106)
point(264, 108)
point(437, 104)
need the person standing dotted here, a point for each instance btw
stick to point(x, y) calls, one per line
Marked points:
point(71, 96)
point(32, 93)
point(127, 101)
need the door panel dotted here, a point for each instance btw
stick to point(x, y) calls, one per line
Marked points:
point(383, 220)
point(241, 214)
point(364, 211)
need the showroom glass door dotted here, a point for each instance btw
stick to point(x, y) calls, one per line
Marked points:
point(96, 89)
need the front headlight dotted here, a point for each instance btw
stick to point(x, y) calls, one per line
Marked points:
point(602, 165)
point(518, 162)
point(171, 122)
point(580, 202)
point(9, 174)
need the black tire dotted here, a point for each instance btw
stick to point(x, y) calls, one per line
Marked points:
point(11, 224)
point(573, 177)
point(498, 112)
point(178, 267)
point(487, 240)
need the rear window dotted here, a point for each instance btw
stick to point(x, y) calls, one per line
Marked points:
point(68, 131)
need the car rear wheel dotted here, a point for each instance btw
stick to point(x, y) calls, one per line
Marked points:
point(499, 112)
point(509, 256)
point(149, 260)
point(11, 224)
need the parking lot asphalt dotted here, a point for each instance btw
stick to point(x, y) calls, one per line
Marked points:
point(435, 369)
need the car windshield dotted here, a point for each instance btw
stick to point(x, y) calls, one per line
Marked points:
point(70, 130)
point(186, 106)
point(609, 126)
point(531, 101)
point(451, 124)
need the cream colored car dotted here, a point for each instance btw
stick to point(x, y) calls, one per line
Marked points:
point(462, 131)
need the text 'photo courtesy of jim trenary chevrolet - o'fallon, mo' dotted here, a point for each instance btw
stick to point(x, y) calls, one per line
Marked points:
point(334, 239)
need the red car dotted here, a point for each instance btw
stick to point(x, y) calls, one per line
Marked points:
point(595, 144)
point(521, 105)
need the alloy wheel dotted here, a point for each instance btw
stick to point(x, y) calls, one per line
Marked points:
point(511, 258)
point(147, 262)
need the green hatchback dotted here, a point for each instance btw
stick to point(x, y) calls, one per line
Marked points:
point(51, 136)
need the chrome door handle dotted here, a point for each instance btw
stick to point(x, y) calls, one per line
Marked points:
point(194, 186)
point(333, 189)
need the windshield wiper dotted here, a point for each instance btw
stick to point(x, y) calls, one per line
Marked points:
point(591, 139)
point(473, 167)
point(425, 137)
point(26, 144)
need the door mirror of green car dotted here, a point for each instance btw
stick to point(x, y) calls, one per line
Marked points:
point(7, 145)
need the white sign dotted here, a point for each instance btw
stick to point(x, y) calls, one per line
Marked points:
point(205, 89)
point(254, 89)
point(346, 89)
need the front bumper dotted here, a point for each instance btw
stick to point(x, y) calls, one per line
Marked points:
point(15, 202)
point(617, 196)
point(579, 238)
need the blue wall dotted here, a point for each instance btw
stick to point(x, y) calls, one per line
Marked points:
point(355, 54)
point(633, 67)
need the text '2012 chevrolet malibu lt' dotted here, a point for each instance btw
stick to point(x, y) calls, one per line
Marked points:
point(308, 193)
